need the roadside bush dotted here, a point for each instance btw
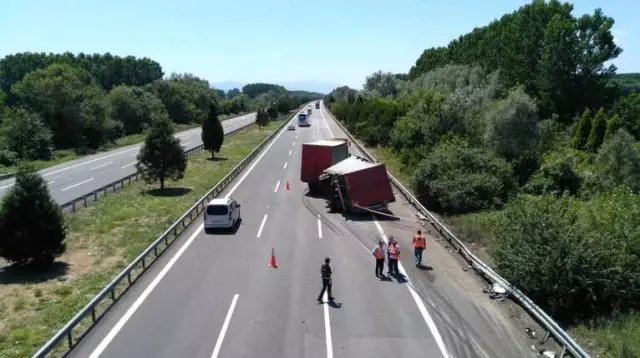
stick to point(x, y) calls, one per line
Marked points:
point(457, 178)
point(556, 178)
point(32, 229)
point(575, 259)
point(617, 165)
point(27, 136)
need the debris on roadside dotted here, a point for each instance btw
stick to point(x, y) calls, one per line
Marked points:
point(496, 292)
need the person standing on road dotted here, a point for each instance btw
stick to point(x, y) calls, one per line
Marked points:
point(394, 256)
point(378, 253)
point(326, 272)
point(419, 244)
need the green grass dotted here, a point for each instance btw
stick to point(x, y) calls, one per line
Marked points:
point(101, 241)
point(65, 155)
point(605, 339)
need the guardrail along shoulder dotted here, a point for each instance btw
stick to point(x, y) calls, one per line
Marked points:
point(147, 257)
point(567, 343)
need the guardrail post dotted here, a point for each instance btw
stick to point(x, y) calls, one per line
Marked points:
point(105, 191)
point(85, 201)
point(93, 314)
point(155, 250)
point(129, 277)
point(144, 265)
point(95, 195)
point(545, 338)
point(70, 340)
point(73, 206)
point(563, 351)
point(113, 293)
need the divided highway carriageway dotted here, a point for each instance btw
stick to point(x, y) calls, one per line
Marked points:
point(214, 295)
point(76, 178)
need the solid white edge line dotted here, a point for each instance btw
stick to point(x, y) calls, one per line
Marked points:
point(277, 186)
point(284, 166)
point(77, 184)
point(327, 326)
point(319, 227)
point(264, 220)
point(421, 307)
point(326, 123)
point(134, 307)
point(91, 161)
point(225, 326)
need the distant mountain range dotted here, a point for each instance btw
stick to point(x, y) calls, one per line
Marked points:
point(309, 85)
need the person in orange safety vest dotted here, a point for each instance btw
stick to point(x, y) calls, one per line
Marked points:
point(419, 244)
point(379, 253)
point(394, 256)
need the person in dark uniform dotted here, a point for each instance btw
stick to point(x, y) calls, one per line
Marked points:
point(326, 272)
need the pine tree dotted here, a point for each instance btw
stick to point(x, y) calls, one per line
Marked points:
point(272, 111)
point(583, 130)
point(212, 131)
point(32, 229)
point(598, 129)
point(161, 156)
point(262, 118)
point(613, 124)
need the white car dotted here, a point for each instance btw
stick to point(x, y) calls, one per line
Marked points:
point(221, 213)
point(291, 127)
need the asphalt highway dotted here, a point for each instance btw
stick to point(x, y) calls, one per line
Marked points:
point(73, 179)
point(213, 295)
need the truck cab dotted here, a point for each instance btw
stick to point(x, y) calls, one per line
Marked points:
point(318, 105)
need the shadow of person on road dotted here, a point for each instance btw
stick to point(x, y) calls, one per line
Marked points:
point(400, 278)
point(334, 304)
point(425, 267)
point(385, 278)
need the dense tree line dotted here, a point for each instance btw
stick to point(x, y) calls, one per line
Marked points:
point(85, 102)
point(515, 121)
point(529, 47)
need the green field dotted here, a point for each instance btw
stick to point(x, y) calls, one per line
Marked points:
point(102, 239)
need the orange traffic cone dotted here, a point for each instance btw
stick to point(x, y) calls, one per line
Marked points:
point(287, 186)
point(273, 263)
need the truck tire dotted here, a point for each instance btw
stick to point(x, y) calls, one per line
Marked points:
point(314, 187)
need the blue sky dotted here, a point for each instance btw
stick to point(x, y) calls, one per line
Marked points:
point(336, 41)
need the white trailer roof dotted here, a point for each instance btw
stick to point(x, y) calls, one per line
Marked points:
point(350, 165)
point(327, 143)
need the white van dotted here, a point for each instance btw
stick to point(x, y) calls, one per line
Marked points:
point(221, 213)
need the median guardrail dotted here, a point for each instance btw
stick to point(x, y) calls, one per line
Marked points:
point(7, 176)
point(552, 328)
point(86, 199)
point(135, 269)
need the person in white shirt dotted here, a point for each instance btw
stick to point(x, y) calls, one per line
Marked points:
point(379, 253)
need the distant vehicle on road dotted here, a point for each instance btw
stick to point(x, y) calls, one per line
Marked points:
point(309, 111)
point(303, 120)
point(221, 213)
point(317, 104)
point(291, 127)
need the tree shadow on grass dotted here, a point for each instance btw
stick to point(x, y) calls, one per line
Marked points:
point(14, 274)
point(217, 159)
point(169, 192)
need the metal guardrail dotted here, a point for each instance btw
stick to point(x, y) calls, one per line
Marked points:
point(135, 269)
point(552, 328)
point(86, 199)
point(7, 176)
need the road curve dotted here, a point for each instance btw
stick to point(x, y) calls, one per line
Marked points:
point(214, 295)
point(75, 178)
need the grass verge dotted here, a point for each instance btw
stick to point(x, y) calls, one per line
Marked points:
point(65, 155)
point(604, 338)
point(102, 239)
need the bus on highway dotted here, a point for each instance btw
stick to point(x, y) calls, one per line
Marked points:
point(303, 120)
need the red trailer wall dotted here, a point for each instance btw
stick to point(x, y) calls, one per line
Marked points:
point(315, 159)
point(370, 186)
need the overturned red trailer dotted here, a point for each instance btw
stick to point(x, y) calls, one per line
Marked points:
point(356, 184)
